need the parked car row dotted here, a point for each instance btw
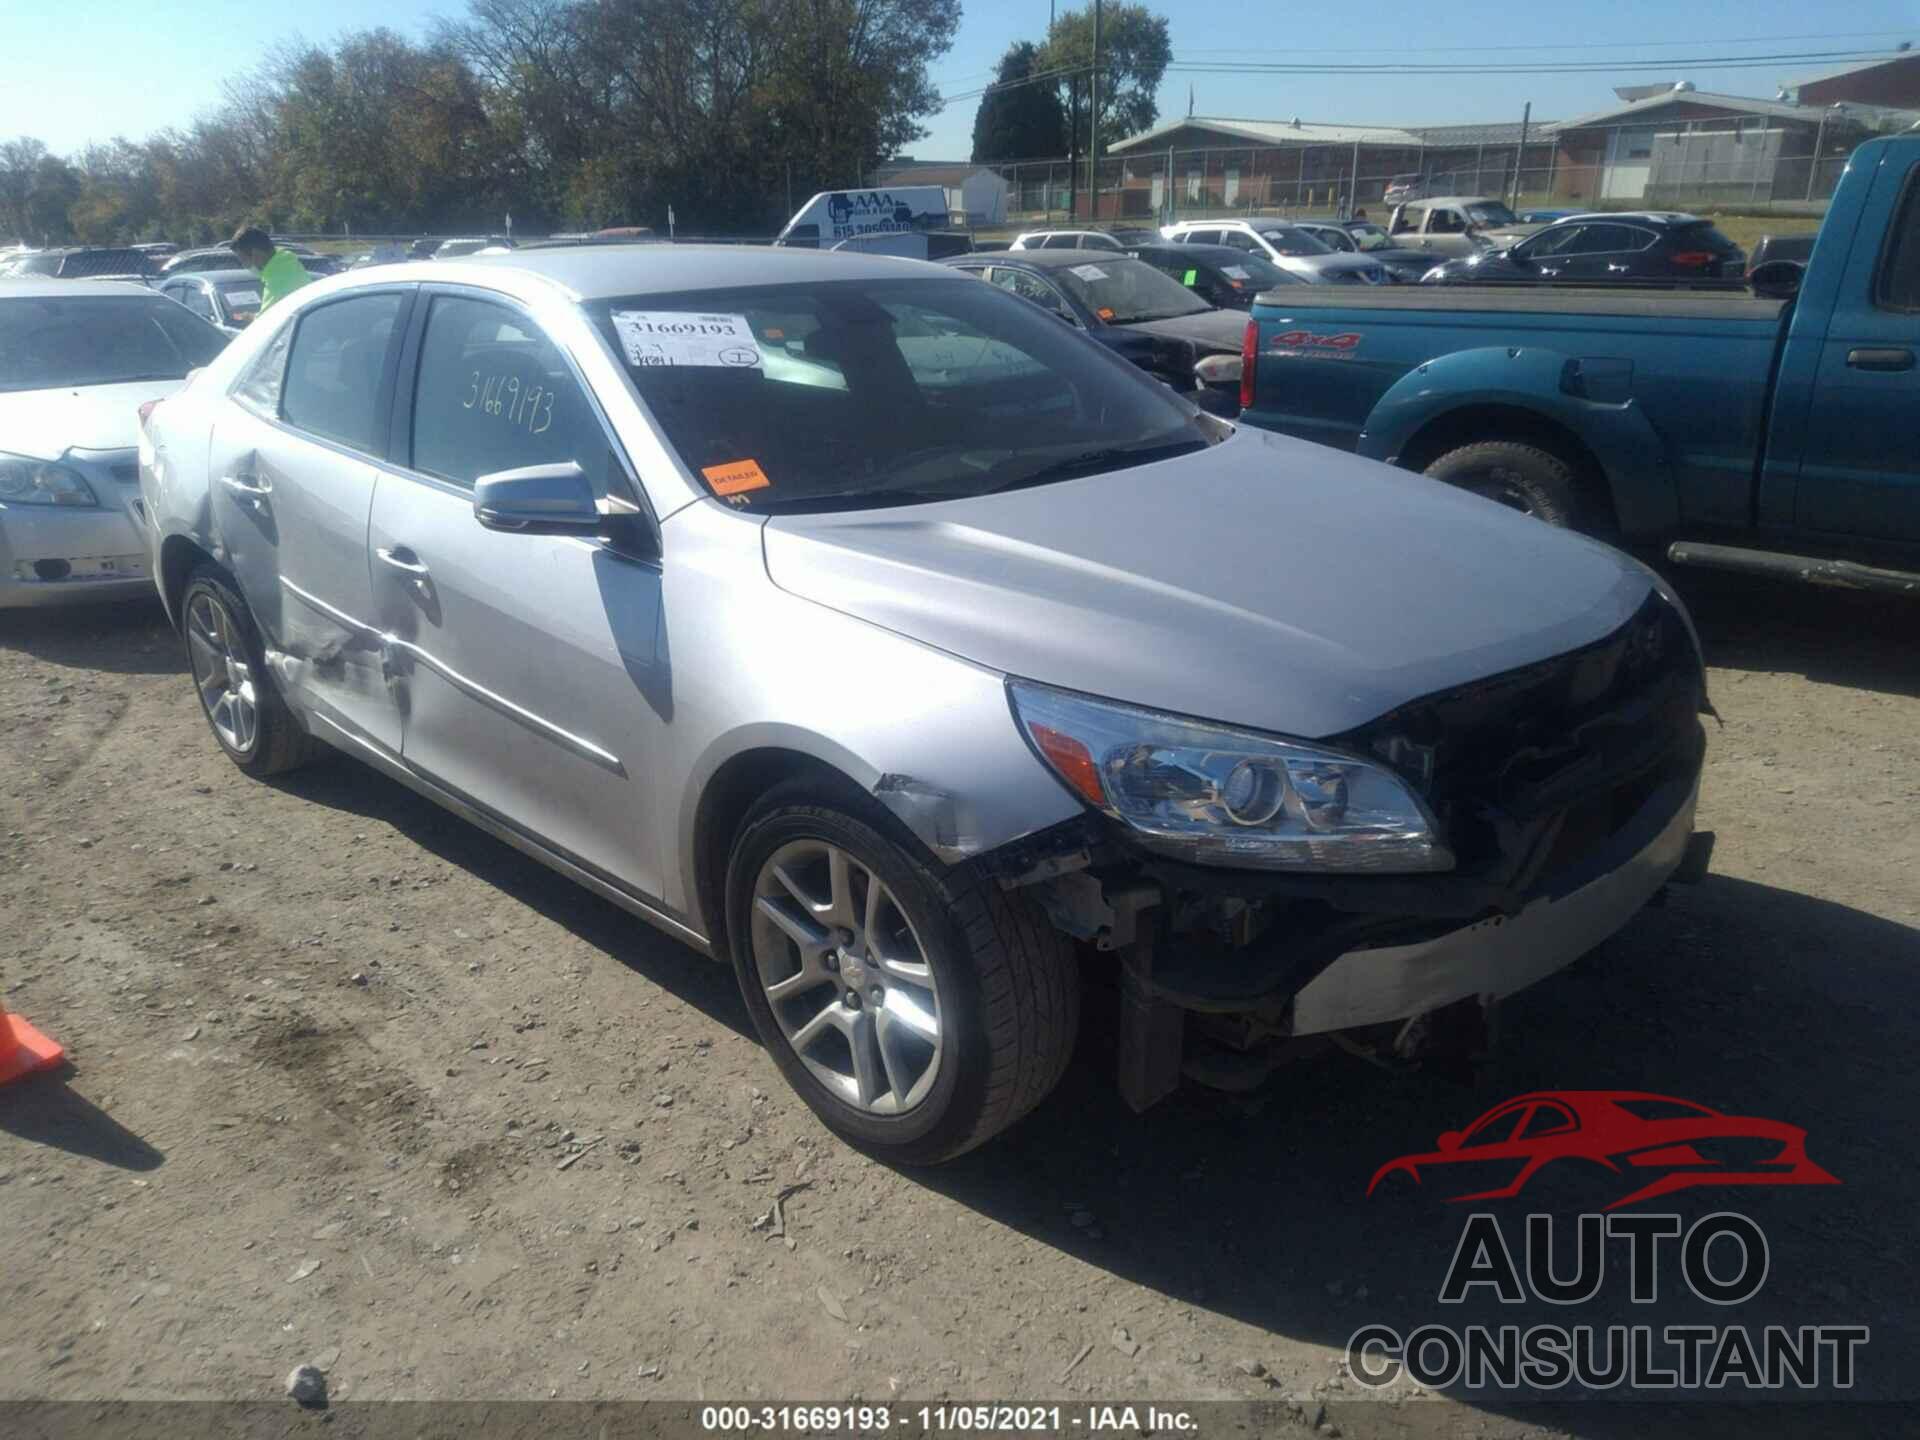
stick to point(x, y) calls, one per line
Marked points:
point(1456, 240)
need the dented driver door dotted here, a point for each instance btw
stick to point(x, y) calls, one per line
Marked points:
point(529, 669)
point(292, 493)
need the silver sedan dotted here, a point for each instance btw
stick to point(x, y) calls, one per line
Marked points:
point(77, 360)
point(859, 624)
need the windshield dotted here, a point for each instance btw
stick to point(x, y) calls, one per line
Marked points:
point(853, 394)
point(1488, 212)
point(1125, 291)
point(1256, 272)
point(50, 342)
point(1370, 237)
point(1285, 240)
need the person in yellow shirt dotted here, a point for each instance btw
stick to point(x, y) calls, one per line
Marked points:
point(280, 273)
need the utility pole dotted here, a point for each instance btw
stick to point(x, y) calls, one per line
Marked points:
point(1520, 155)
point(1093, 115)
point(1073, 150)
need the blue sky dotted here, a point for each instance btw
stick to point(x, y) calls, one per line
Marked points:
point(89, 69)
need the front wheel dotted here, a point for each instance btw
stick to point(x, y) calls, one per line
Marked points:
point(1526, 478)
point(918, 1012)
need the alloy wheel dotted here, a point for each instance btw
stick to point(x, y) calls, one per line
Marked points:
point(846, 976)
point(222, 673)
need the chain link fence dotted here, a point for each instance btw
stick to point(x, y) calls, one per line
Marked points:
point(1760, 163)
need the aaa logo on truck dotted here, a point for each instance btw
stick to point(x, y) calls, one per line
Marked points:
point(1619, 1140)
point(1307, 340)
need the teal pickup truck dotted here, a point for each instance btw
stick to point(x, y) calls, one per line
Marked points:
point(1776, 432)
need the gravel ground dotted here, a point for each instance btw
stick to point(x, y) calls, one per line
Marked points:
point(356, 1086)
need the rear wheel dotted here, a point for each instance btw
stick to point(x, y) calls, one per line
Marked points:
point(1526, 478)
point(918, 1012)
point(237, 692)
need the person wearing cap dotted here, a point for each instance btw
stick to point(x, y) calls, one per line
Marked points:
point(280, 273)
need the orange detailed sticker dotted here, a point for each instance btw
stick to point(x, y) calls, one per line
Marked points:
point(736, 476)
point(774, 333)
point(1104, 313)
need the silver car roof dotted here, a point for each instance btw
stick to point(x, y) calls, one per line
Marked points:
point(23, 288)
point(595, 272)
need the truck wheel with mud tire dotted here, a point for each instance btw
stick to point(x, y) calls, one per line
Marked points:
point(1522, 477)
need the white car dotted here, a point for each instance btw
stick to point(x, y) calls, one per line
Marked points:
point(77, 360)
point(1067, 240)
point(1290, 247)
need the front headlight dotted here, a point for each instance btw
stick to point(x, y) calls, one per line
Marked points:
point(39, 482)
point(1217, 796)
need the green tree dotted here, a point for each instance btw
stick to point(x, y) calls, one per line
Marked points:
point(1134, 53)
point(1019, 119)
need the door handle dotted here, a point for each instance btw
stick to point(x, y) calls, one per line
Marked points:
point(248, 487)
point(1896, 357)
point(399, 557)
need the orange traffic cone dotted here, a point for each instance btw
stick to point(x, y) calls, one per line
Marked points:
point(24, 1049)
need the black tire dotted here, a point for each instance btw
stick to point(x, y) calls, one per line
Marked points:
point(279, 744)
point(1009, 986)
point(1526, 478)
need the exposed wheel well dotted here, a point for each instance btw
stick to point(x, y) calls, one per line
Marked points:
point(1474, 423)
point(178, 556)
point(724, 803)
point(732, 791)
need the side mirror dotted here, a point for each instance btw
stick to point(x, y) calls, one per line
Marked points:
point(1450, 1141)
point(1777, 279)
point(537, 500)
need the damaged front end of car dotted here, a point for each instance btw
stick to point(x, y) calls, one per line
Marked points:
point(1380, 883)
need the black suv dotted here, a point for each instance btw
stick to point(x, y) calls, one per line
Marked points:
point(1643, 248)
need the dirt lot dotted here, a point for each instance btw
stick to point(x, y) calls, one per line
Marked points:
point(356, 1085)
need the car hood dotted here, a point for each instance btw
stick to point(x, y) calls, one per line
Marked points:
point(45, 424)
point(1208, 331)
point(1399, 255)
point(1327, 264)
point(1265, 582)
point(1505, 235)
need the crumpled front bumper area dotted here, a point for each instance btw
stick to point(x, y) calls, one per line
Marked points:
point(1566, 790)
point(1498, 955)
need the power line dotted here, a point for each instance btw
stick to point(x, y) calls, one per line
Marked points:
point(1569, 67)
point(1059, 74)
point(1563, 45)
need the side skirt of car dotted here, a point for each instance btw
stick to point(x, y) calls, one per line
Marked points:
point(574, 867)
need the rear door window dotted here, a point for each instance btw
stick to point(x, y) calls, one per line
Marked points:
point(1606, 240)
point(332, 385)
point(493, 393)
point(1898, 287)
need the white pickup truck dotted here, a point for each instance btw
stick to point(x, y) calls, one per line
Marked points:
point(1456, 225)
